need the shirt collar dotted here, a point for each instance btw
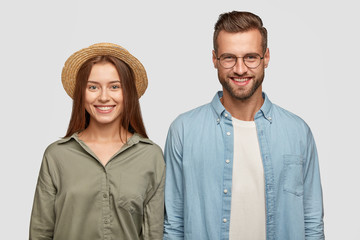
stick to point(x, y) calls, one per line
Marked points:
point(66, 139)
point(133, 140)
point(138, 138)
point(217, 105)
point(263, 112)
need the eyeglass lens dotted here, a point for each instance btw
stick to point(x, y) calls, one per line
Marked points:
point(250, 60)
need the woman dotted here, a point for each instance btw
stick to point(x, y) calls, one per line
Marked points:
point(105, 178)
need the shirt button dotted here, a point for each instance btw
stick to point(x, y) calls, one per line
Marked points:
point(226, 115)
point(227, 161)
point(225, 191)
point(106, 221)
point(105, 195)
point(224, 220)
point(228, 133)
point(218, 120)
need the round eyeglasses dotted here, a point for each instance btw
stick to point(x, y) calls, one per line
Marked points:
point(251, 60)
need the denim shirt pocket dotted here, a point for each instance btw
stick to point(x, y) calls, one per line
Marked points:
point(133, 206)
point(293, 180)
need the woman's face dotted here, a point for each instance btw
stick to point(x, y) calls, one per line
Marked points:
point(103, 94)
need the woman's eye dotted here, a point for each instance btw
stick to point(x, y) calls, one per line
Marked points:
point(92, 87)
point(115, 86)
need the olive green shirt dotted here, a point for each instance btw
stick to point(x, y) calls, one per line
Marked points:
point(77, 198)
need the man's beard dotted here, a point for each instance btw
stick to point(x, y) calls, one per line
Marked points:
point(243, 95)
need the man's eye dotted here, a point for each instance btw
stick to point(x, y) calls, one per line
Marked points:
point(228, 58)
point(250, 57)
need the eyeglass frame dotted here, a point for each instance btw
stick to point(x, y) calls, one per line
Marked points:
point(236, 57)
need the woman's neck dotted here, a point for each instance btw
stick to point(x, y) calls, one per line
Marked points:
point(102, 133)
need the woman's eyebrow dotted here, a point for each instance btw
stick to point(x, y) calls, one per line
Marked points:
point(115, 81)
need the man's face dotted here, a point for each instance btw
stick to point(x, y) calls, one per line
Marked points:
point(241, 82)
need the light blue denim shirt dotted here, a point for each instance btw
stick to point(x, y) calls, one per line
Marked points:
point(199, 155)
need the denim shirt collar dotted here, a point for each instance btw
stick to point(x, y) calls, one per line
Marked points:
point(265, 110)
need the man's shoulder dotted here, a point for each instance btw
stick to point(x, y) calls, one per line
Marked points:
point(287, 118)
point(195, 114)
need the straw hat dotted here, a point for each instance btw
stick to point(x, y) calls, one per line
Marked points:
point(76, 60)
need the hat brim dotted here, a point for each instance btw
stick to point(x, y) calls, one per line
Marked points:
point(76, 60)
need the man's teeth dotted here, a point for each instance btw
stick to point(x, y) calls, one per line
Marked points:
point(104, 108)
point(241, 79)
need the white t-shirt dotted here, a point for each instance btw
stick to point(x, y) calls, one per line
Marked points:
point(248, 215)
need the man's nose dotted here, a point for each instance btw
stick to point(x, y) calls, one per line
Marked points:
point(240, 68)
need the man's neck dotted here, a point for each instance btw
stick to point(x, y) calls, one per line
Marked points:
point(244, 110)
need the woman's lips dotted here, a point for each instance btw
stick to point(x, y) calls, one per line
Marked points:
point(104, 109)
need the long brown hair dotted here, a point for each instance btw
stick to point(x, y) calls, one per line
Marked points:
point(131, 118)
point(235, 21)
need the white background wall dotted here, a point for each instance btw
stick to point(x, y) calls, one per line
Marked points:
point(313, 72)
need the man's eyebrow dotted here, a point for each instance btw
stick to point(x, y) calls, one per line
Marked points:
point(252, 53)
point(226, 53)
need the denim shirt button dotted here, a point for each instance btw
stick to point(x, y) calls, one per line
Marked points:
point(227, 161)
point(224, 220)
point(225, 191)
point(228, 133)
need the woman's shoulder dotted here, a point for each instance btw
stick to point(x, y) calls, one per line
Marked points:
point(58, 146)
point(148, 147)
point(145, 142)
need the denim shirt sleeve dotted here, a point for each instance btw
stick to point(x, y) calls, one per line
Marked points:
point(313, 204)
point(174, 215)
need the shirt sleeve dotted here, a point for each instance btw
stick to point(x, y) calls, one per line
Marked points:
point(313, 200)
point(43, 213)
point(174, 199)
point(154, 213)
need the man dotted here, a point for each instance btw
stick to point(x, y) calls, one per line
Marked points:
point(241, 167)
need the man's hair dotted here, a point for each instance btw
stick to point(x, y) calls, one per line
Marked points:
point(235, 21)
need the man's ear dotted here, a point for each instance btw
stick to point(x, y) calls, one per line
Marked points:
point(267, 57)
point(214, 59)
